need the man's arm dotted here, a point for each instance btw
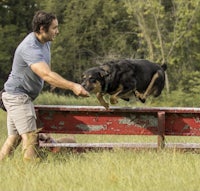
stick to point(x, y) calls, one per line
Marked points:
point(43, 70)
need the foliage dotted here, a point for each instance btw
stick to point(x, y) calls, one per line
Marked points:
point(15, 23)
point(93, 31)
point(167, 31)
point(191, 82)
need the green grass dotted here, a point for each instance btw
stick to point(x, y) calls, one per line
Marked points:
point(105, 170)
point(174, 99)
point(116, 170)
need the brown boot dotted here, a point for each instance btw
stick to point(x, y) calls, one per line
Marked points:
point(30, 142)
point(9, 146)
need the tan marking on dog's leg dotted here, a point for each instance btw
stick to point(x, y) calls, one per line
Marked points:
point(138, 94)
point(113, 98)
point(148, 90)
point(127, 95)
point(99, 95)
point(150, 86)
point(101, 100)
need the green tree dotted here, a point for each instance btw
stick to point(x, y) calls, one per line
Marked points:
point(165, 31)
point(15, 23)
point(92, 31)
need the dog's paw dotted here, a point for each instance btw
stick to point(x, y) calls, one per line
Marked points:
point(142, 100)
point(137, 94)
point(106, 105)
point(126, 99)
point(113, 100)
point(140, 96)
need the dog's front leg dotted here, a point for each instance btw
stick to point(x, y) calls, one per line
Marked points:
point(101, 100)
point(113, 98)
point(140, 96)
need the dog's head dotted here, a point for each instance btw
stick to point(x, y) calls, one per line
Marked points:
point(93, 79)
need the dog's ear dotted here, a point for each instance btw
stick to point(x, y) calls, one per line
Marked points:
point(105, 67)
point(103, 73)
point(105, 70)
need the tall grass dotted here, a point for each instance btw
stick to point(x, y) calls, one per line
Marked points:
point(106, 170)
point(114, 170)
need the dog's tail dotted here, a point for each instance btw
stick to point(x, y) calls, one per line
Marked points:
point(164, 66)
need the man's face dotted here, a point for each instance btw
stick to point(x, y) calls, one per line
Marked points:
point(52, 32)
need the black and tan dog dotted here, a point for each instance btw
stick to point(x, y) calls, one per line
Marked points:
point(123, 79)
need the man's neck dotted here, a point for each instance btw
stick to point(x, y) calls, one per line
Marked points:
point(39, 37)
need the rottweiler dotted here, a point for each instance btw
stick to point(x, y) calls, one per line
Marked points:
point(125, 78)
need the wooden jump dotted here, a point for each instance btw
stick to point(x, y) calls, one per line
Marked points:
point(160, 121)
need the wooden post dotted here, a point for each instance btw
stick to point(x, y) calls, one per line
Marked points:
point(161, 129)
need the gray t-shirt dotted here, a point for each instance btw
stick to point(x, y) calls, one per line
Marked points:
point(22, 79)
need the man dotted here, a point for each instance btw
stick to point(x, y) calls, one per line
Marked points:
point(31, 67)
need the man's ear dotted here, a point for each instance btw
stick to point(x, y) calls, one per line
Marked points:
point(42, 29)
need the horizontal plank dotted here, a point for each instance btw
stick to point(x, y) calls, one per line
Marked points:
point(122, 145)
point(80, 108)
point(140, 121)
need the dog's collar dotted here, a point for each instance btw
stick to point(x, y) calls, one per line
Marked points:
point(106, 87)
point(107, 80)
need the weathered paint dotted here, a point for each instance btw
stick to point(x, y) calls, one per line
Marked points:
point(135, 121)
point(140, 121)
point(84, 127)
point(119, 120)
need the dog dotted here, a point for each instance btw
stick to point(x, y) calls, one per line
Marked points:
point(125, 78)
point(45, 138)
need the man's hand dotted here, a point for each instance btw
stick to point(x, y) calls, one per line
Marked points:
point(79, 90)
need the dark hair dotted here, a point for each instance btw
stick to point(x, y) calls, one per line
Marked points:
point(41, 18)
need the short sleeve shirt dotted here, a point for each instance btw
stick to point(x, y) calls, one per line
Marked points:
point(22, 79)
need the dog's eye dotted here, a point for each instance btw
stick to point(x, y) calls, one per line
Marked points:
point(83, 77)
point(92, 80)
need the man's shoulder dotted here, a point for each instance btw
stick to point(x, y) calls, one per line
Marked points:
point(31, 41)
point(27, 42)
point(30, 44)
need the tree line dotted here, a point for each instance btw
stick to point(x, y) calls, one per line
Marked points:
point(94, 31)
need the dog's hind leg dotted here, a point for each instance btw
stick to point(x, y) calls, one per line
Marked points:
point(148, 91)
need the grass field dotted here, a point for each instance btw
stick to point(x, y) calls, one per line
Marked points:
point(116, 170)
